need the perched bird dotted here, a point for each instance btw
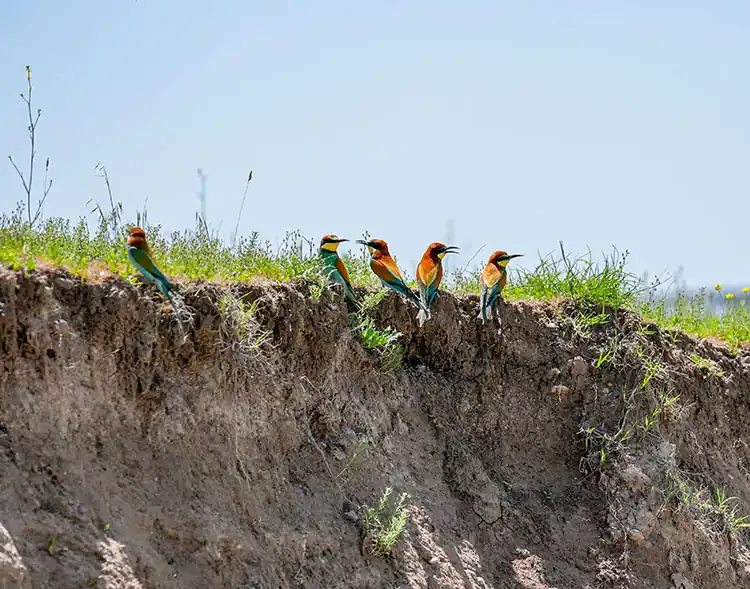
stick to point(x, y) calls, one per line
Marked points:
point(334, 265)
point(429, 275)
point(384, 267)
point(493, 281)
point(140, 255)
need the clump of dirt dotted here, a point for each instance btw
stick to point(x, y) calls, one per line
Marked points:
point(582, 448)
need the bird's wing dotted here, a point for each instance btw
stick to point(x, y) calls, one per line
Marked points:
point(386, 269)
point(497, 288)
point(429, 275)
point(329, 263)
point(436, 278)
point(141, 261)
point(146, 264)
point(342, 270)
point(487, 281)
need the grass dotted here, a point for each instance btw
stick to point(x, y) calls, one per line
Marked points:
point(357, 453)
point(693, 315)
point(706, 365)
point(241, 331)
point(198, 254)
point(189, 255)
point(384, 340)
point(721, 512)
point(383, 523)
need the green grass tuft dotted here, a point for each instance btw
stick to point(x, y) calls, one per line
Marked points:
point(383, 524)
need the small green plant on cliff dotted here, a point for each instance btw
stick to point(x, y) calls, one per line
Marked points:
point(358, 451)
point(383, 524)
point(706, 364)
point(721, 512)
point(383, 340)
point(730, 512)
point(601, 446)
point(241, 331)
point(584, 322)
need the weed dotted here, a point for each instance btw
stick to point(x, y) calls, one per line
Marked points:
point(376, 338)
point(601, 446)
point(385, 340)
point(383, 524)
point(28, 181)
point(652, 368)
point(584, 322)
point(649, 421)
point(730, 512)
point(372, 300)
point(241, 331)
point(360, 448)
point(694, 315)
point(607, 284)
point(706, 364)
point(721, 512)
point(603, 358)
point(316, 292)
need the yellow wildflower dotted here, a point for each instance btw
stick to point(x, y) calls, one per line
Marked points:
point(746, 290)
point(730, 295)
point(717, 287)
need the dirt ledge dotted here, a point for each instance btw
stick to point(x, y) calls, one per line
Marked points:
point(130, 459)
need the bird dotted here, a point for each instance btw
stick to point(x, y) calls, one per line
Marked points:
point(492, 282)
point(139, 254)
point(429, 275)
point(385, 268)
point(334, 265)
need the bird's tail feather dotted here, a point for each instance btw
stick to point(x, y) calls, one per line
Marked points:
point(164, 287)
point(352, 296)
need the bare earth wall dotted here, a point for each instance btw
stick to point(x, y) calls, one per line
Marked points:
point(131, 459)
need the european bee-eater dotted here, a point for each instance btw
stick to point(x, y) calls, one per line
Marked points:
point(429, 275)
point(384, 267)
point(140, 255)
point(334, 265)
point(492, 282)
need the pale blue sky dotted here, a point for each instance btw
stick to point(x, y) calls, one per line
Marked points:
point(525, 123)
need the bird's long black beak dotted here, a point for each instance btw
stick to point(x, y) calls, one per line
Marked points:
point(363, 242)
point(510, 257)
point(452, 249)
point(341, 240)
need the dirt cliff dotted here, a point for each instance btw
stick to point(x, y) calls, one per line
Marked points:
point(582, 448)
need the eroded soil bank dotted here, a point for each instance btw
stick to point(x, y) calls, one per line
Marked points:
point(568, 453)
